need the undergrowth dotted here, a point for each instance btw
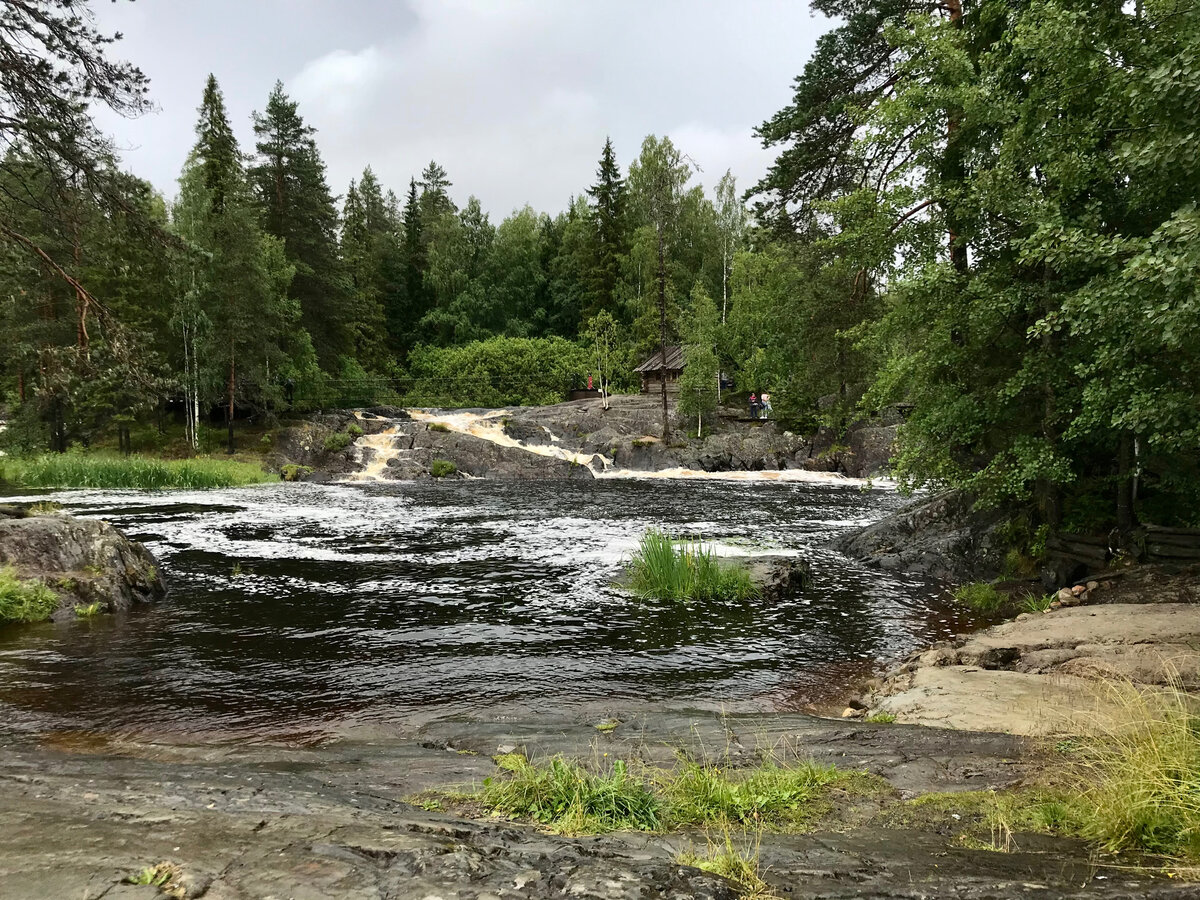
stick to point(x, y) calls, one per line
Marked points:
point(103, 470)
point(665, 569)
point(442, 468)
point(24, 601)
point(980, 597)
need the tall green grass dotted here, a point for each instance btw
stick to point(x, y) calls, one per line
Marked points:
point(981, 597)
point(102, 470)
point(768, 794)
point(665, 569)
point(1140, 785)
point(24, 601)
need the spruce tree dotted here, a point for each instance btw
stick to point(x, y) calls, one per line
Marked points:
point(608, 207)
point(216, 146)
point(293, 198)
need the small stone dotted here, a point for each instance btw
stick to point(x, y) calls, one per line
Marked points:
point(1070, 601)
point(1078, 589)
point(1092, 585)
point(851, 713)
point(1056, 604)
point(1023, 616)
point(506, 748)
point(856, 704)
point(1065, 594)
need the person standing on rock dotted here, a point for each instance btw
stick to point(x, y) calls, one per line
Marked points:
point(766, 405)
point(754, 406)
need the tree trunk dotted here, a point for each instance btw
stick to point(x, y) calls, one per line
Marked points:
point(229, 407)
point(1125, 513)
point(662, 334)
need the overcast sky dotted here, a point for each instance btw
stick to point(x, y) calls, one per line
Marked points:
point(513, 97)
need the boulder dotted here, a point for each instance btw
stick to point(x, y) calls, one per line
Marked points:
point(83, 561)
point(943, 537)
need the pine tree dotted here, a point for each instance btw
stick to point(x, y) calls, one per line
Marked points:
point(371, 250)
point(288, 178)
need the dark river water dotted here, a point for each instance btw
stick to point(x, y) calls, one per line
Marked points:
point(304, 610)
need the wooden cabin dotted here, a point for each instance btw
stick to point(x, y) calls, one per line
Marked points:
point(654, 372)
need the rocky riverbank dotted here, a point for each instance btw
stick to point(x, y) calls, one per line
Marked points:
point(81, 561)
point(338, 820)
point(579, 439)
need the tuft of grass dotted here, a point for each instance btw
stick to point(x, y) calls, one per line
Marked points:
point(569, 798)
point(88, 610)
point(980, 597)
point(442, 468)
point(1037, 604)
point(767, 795)
point(337, 442)
point(165, 876)
point(664, 569)
point(24, 601)
point(102, 470)
point(1140, 785)
point(881, 718)
point(438, 426)
point(739, 864)
point(990, 820)
point(354, 430)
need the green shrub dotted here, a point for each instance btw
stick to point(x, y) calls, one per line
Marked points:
point(737, 864)
point(354, 430)
point(293, 472)
point(440, 427)
point(101, 470)
point(24, 601)
point(570, 799)
point(664, 569)
point(881, 718)
point(337, 442)
point(442, 468)
point(87, 611)
point(981, 597)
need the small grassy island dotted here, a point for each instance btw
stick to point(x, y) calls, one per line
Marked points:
point(666, 569)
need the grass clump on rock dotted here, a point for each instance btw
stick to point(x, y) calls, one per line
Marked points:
point(337, 442)
point(730, 861)
point(24, 601)
point(570, 799)
point(665, 569)
point(981, 597)
point(103, 470)
point(442, 468)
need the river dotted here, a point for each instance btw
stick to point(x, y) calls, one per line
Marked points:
point(302, 611)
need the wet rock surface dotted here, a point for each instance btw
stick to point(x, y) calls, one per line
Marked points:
point(82, 561)
point(256, 821)
point(941, 537)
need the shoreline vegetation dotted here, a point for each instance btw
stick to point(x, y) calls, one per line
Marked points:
point(663, 568)
point(1130, 790)
point(113, 471)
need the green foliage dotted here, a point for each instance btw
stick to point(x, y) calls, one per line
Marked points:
point(698, 384)
point(294, 472)
point(497, 372)
point(337, 442)
point(664, 569)
point(354, 430)
point(981, 597)
point(98, 470)
point(439, 427)
point(24, 601)
point(571, 799)
point(442, 468)
point(88, 610)
point(165, 876)
point(881, 718)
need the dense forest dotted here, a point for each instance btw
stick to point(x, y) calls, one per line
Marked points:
point(983, 211)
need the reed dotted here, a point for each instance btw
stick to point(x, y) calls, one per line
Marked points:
point(102, 470)
point(665, 569)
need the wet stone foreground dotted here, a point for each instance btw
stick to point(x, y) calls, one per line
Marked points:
point(263, 821)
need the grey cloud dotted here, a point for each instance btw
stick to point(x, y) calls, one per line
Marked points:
point(513, 98)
